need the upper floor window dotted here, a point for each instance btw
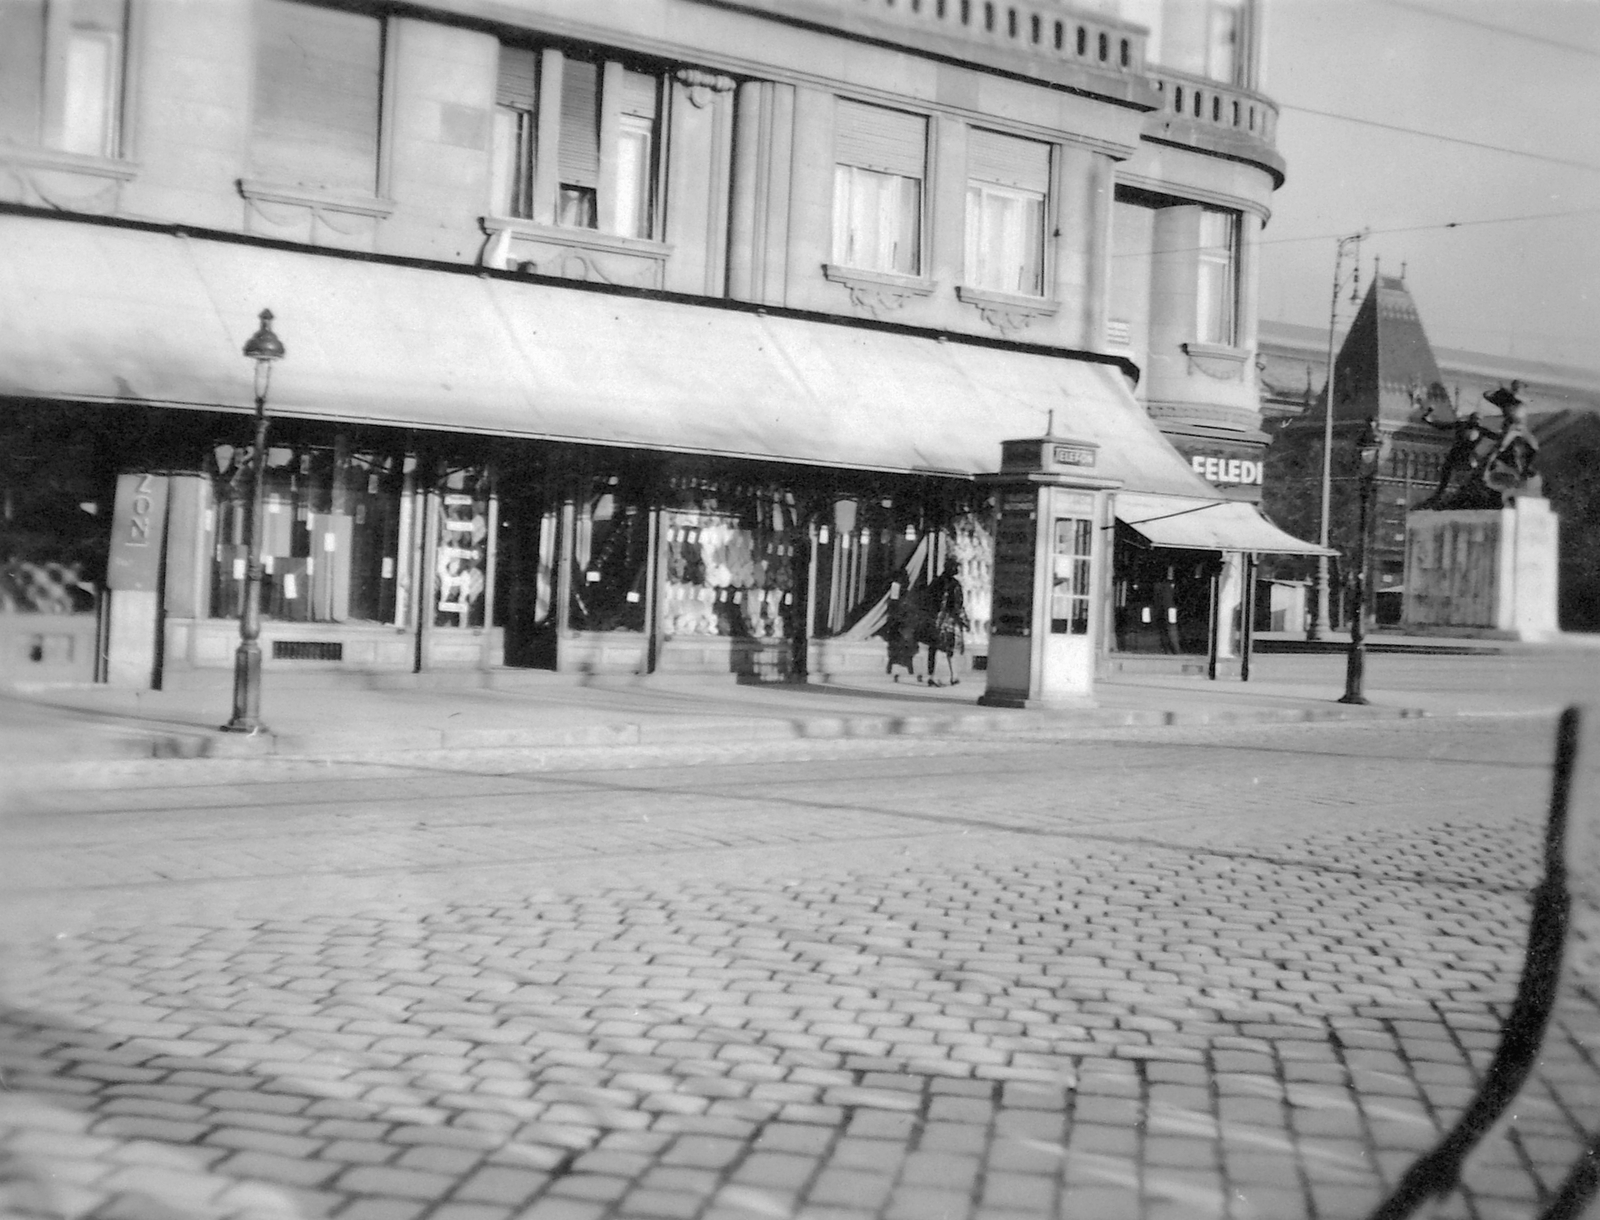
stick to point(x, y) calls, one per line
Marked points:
point(1217, 306)
point(601, 170)
point(61, 74)
point(319, 82)
point(1200, 37)
point(1008, 181)
point(880, 161)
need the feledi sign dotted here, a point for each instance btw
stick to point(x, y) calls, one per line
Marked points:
point(1221, 471)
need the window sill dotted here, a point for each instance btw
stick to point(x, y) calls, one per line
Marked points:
point(34, 157)
point(878, 292)
point(315, 198)
point(572, 254)
point(589, 239)
point(69, 181)
point(1220, 361)
point(1008, 312)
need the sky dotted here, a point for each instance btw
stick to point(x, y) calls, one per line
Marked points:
point(1403, 117)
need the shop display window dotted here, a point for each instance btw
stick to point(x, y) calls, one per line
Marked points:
point(611, 554)
point(730, 556)
point(461, 555)
point(329, 541)
point(862, 546)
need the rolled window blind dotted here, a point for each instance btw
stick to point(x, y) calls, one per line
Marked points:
point(519, 78)
point(318, 76)
point(638, 95)
point(872, 137)
point(579, 156)
point(1008, 161)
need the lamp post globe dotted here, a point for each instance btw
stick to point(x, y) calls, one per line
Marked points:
point(1369, 451)
point(264, 347)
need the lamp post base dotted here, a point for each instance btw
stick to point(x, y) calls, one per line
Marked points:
point(1355, 672)
point(246, 691)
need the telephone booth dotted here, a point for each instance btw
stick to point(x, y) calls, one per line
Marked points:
point(1050, 558)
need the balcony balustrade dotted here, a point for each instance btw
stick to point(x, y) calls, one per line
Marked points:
point(1212, 103)
point(1038, 28)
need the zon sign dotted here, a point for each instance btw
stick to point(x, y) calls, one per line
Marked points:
point(1226, 470)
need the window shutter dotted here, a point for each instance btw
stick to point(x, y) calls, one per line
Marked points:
point(519, 78)
point(1008, 161)
point(638, 95)
point(580, 124)
point(889, 141)
point(318, 75)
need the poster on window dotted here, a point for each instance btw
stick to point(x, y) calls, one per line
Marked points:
point(461, 564)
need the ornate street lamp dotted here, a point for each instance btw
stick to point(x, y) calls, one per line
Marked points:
point(263, 347)
point(1369, 449)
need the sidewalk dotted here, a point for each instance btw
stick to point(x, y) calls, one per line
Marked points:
point(323, 715)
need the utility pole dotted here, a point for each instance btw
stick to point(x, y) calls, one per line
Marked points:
point(1319, 606)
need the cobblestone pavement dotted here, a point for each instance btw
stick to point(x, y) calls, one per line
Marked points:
point(1205, 973)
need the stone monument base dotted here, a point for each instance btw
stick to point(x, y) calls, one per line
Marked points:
point(1482, 571)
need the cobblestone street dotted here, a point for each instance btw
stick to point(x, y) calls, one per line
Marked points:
point(1166, 973)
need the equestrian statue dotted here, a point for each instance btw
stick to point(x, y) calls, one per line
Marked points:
point(1483, 468)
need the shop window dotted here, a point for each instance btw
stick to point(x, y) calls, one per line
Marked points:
point(319, 74)
point(62, 68)
point(1216, 314)
point(880, 158)
point(611, 555)
point(1008, 180)
point(730, 552)
point(461, 555)
point(329, 543)
point(862, 547)
point(602, 171)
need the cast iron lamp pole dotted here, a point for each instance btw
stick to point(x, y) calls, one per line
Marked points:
point(1370, 449)
point(263, 347)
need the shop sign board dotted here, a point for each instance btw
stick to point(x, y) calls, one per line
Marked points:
point(138, 525)
point(1219, 470)
point(1015, 541)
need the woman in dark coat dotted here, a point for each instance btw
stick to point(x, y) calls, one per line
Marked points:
point(947, 623)
point(902, 628)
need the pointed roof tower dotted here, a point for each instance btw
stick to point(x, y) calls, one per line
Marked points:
point(1385, 357)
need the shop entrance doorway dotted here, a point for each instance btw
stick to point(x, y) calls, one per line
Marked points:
point(528, 547)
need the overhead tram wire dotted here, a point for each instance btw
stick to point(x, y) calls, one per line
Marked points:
point(1433, 135)
point(1439, 225)
point(1444, 15)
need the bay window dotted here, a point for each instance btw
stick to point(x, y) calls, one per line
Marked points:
point(1008, 181)
point(880, 160)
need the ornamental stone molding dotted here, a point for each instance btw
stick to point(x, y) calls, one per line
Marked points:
point(69, 182)
point(878, 292)
point(1008, 312)
point(699, 86)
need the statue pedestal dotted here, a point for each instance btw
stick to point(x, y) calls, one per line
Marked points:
point(1482, 571)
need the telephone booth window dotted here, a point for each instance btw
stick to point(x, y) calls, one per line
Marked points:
point(1070, 545)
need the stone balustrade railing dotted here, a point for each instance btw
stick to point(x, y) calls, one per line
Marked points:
point(1211, 102)
point(1045, 28)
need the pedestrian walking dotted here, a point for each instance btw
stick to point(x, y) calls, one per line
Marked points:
point(902, 628)
point(947, 623)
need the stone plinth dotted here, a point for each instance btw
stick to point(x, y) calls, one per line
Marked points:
point(1488, 571)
